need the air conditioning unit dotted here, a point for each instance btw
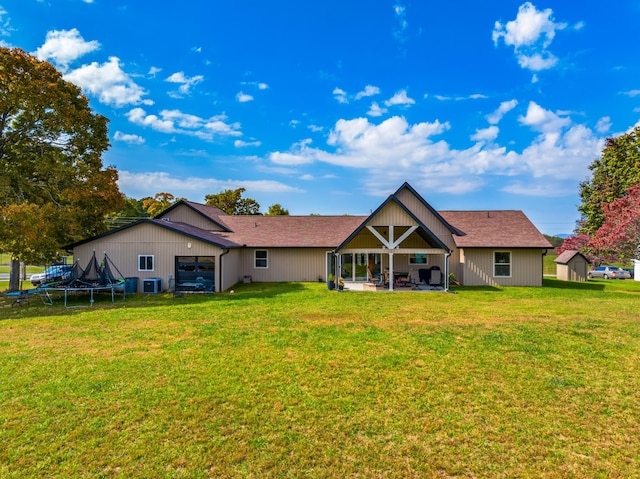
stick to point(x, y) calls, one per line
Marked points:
point(152, 285)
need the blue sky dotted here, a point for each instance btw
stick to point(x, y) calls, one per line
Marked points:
point(329, 106)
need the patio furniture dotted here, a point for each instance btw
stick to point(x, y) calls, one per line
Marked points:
point(374, 278)
point(435, 276)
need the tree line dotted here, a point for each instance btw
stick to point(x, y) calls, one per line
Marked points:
point(609, 226)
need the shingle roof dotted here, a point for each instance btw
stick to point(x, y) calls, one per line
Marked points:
point(211, 212)
point(182, 228)
point(290, 231)
point(495, 229)
point(196, 233)
point(568, 255)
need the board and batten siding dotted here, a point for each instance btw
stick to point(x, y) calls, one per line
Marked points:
point(526, 267)
point(286, 264)
point(575, 270)
point(426, 216)
point(230, 264)
point(124, 247)
point(184, 214)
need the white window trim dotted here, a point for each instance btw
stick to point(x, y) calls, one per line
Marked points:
point(413, 256)
point(510, 264)
point(265, 259)
point(153, 262)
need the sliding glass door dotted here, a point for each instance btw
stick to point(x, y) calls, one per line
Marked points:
point(354, 266)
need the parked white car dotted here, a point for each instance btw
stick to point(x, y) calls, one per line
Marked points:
point(609, 272)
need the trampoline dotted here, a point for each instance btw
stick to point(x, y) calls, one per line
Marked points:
point(97, 277)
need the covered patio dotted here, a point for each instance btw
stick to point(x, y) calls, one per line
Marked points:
point(392, 257)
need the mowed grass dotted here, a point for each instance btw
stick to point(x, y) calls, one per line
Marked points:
point(291, 380)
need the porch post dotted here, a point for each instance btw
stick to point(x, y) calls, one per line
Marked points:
point(390, 271)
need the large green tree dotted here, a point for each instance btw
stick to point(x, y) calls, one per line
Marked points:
point(276, 209)
point(232, 202)
point(159, 203)
point(54, 188)
point(617, 169)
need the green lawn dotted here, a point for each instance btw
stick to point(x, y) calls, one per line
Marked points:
point(291, 380)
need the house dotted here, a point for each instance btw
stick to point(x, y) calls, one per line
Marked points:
point(191, 246)
point(571, 265)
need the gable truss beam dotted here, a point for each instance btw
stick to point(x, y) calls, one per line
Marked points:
point(391, 243)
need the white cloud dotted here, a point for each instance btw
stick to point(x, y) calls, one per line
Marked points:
point(340, 95)
point(127, 138)
point(631, 93)
point(299, 154)
point(185, 82)
point(537, 62)
point(315, 128)
point(109, 82)
point(153, 71)
point(474, 96)
point(139, 117)
point(486, 134)
point(343, 97)
point(369, 90)
point(394, 150)
point(243, 97)
point(360, 144)
point(174, 121)
point(530, 35)
point(400, 98)
point(242, 144)
point(63, 47)
point(505, 107)
point(400, 12)
point(258, 85)
point(142, 184)
point(376, 110)
point(603, 125)
point(5, 28)
point(543, 120)
point(561, 156)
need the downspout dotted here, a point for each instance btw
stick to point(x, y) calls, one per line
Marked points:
point(544, 253)
point(446, 271)
point(219, 286)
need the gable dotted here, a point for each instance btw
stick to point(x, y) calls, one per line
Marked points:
point(391, 221)
point(424, 211)
point(201, 216)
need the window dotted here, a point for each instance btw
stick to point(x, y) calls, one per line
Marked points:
point(418, 258)
point(502, 263)
point(261, 258)
point(145, 262)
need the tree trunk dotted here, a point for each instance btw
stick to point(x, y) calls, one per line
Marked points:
point(14, 275)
